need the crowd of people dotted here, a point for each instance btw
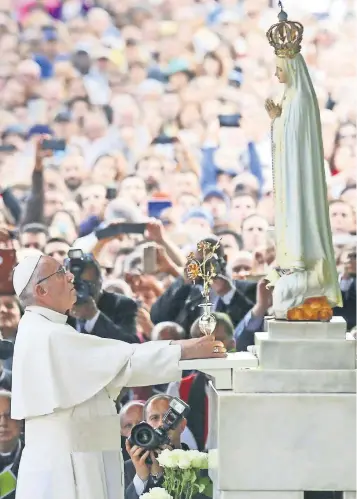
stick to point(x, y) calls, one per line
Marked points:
point(152, 115)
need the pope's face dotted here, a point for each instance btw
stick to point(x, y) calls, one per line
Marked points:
point(56, 289)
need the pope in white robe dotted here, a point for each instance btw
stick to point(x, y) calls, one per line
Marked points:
point(64, 384)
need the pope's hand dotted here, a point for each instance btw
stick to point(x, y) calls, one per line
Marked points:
point(201, 348)
point(274, 110)
point(84, 311)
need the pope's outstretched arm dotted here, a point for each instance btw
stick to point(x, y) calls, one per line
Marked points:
point(57, 368)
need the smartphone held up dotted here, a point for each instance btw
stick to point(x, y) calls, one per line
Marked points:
point(150, 259)
point(116, 229)
point(53, 144)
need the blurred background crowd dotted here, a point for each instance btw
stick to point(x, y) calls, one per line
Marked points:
point(151, 115)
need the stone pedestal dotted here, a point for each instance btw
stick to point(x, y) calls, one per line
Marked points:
point(284, 422)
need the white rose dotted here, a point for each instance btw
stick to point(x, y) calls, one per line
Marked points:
point(184, 462)
point(177, 454)
point(163, 457)
point(157, 493)
point(167, 459)
point(199, 460)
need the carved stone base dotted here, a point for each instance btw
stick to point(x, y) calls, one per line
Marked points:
point(313, 309)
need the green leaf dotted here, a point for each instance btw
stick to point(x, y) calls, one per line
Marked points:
point(193, 476)
point(205, 486)
point(201, 488)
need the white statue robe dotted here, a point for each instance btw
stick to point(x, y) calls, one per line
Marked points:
point(63, 387)
point(302, 225)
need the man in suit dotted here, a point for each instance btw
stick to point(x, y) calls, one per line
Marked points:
point(140, 477)
point(348, 311)
point(347, 279)
point(253, 321)
point(103, 314)
point(180, 302)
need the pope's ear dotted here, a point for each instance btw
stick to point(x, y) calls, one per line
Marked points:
point(40, 290)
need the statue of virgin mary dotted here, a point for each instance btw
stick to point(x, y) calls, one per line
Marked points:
point(305, 281)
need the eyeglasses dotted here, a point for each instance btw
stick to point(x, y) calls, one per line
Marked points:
point(60, 271)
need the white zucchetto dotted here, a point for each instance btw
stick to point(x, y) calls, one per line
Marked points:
point(23, 272)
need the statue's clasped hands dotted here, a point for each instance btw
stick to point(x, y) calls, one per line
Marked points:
point(274, 110)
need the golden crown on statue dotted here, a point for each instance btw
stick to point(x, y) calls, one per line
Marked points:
point(285, 36)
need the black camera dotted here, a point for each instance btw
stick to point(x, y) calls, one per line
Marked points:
point(145, 436)
point(76, 263)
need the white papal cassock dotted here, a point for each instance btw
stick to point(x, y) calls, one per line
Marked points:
point(63, 386)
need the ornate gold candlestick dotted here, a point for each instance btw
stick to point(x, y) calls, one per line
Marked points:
point(200, 267)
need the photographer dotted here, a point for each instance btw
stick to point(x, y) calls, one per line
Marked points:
point(140, 477)
point(180, 302)
point(107, 315)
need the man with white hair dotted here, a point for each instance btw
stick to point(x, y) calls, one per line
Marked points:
point(64, 384)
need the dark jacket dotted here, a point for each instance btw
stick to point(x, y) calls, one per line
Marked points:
point(180, 303)
point(34, 209)
point(117, 318)
point(6, 380)
point(12, 204)
point(129, 474)
point(348, 310)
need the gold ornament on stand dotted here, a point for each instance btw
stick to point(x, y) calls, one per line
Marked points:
point(200, 267)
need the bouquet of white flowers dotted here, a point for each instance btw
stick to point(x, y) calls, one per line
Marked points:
point(182, 477)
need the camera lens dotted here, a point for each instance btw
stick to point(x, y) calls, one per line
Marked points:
point(143, 435)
